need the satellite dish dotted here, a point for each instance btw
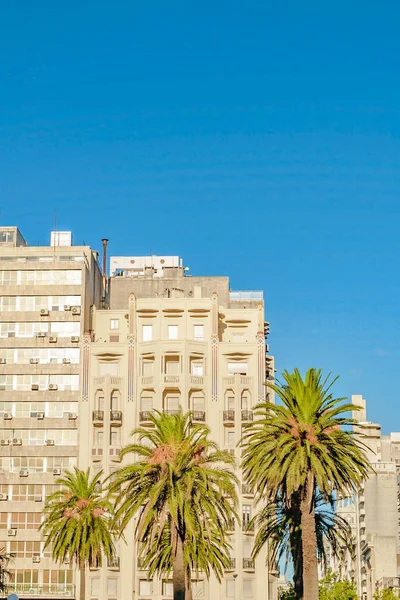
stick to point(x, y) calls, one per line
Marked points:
point(13, 597)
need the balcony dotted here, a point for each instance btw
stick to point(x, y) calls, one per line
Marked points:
point(116, 417)
point(247, 416)
point(198, 416)
point(248, 564)
point(171, 411)
point(148, 380)
point(169, 379)
point(97, 454)
point(34, 590)
point(98, 417)
point(248, 528)
point(113, 563)
point(247, 491)
point(246, 380)
point(144, 417)
point(229, 418)
point(115, 453)
point(228, 380)
point(196, 381)
point(232, 565)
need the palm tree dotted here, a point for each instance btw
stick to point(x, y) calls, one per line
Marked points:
point(300, 446)
point(5, 560)
point(182, 489)
point(78, 522)
point(279, 525)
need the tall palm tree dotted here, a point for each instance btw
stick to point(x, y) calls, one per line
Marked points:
point(300, 446)
point(78, 522)
point(5, 560)
point(279, 525)
point(181, 487)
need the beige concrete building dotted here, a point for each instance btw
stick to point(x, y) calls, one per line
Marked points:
point(79, 371)
point(373, 513)
point(45, 298)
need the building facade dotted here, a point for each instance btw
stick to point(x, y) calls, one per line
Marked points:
point(83, 363)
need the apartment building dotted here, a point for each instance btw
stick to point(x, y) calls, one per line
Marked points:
point(45, 297)
point(167, 341)
point(81, 368)
point(373, 512)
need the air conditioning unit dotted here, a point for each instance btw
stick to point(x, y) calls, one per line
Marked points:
point(75, 338)
point(4, 442)
point(7, 416)
point(35, 387)
point(36, 558)
point(67, 307)
point(49, 442)
point(38, 498)
point(40, 416)
point(66, 361)
point(72, 416)
point(24, 473)
point(53, 386)
point(17, 442)
point(41, 334)
point(3, 361)
point(52, 339)
point(44, 312)
point(76, 310)
point(3, 497)
point(34, 361)
point(12, 532)
point(56, 471)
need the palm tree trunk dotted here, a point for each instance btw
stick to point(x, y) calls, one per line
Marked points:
point(309, 541)
point(188, 584)
point(82, 587)
point(178, 567)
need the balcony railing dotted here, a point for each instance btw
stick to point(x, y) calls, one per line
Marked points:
point(148, 380)
point(98, 417)
point(246, 490)
point(113, 563)
point(171, 411)
point(34, 590)
point(232, 565)
point(198, 416)
point(196, 380)
point(229, 417)
point(248, 527)
point(247, 415)
point(171, 379)
point(144, 416)
point(116, 417)
point(115, 453)
point(248, 564)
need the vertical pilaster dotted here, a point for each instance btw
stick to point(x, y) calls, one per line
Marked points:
point(261, 353)
point(131, 347)
point(214, 347)
point(85, 366)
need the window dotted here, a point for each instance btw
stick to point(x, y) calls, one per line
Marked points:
point(229, 400)
point(172, 403)
point(112, 587)
point(167, 588)
point(147, 333)
point(108, 368)
point(172, 332)
point(148, 367)
point(197, 402)
point(230, 588)
point(229, 438)
point(98, 437)
point(114, 323)
point(198, 589)
point(246, 513)
point(145, 588)
point(146, 403)
point(95, 586)
point(197, 368)
point(237, 367)
point(245, 400)
point(247, 588)
point(115, 436)
point(198, 332)
point(172, 366)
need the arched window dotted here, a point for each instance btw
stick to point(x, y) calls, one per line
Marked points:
point(245, 400)
point(115, 399)
point(229, 400)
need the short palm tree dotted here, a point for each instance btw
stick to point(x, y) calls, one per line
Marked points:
point(279, 525)
point(5, 560)
point(183, 490)
point(300, 446)
point(78, 522)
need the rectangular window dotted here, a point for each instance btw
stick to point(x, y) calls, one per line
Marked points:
point(147, 333)
point(114, 323)
point(247, 588)
point(95, 586)
point(197, 368)
point(148, 367)
point(172, 366)
point(112, 587)
point(237, 367)
point(172, 403)
point(230, 588)
point(246, 512)
point(145, 588)
point(198, 333)
point(229, 438)
point(172, 332)
point(167, 589)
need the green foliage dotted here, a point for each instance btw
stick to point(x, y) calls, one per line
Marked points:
point(288, 594)
point(330, 588)
point(77, 523)
point(179, 481)
point(387, 594)
point(5, 560)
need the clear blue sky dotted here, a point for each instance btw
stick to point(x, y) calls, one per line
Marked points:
point(257, 139)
